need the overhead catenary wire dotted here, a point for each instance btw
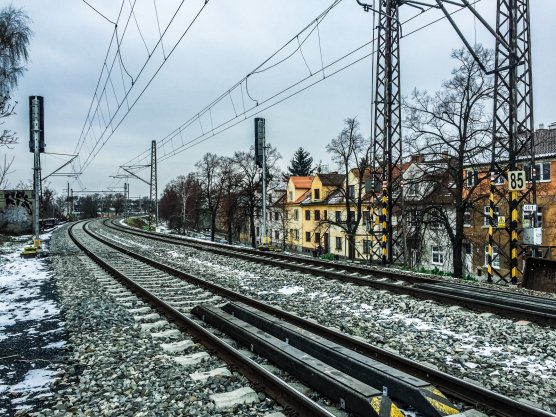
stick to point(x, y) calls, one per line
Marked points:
point(259, 107)
point(103, 137)
point(93, 155)
point(98, 12)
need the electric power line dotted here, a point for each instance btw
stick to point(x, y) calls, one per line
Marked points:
point(259, 106)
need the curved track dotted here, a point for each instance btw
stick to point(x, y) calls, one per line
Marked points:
point(505, 303)
point(457, 388)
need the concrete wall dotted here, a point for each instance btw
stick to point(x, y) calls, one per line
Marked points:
point(16, 211)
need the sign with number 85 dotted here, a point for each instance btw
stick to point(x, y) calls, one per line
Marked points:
point(516, 180)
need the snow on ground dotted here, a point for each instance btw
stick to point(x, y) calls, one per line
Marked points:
point(31, 330)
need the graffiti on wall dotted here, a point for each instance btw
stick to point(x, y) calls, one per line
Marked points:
point(19, 198)
point(16, 211)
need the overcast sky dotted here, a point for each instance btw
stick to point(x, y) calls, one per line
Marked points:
point(227, 41)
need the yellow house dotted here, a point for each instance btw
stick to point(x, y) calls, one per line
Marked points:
point(317, 206)
point(298, 188)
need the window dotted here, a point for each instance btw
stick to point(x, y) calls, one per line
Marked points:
point(277, 234)
point(467, 217)
point(325, 216)
point(317, 194)
point(317, 214)
point(486, 211)
point(366, 217)
point(472, 177)
point(290, 196)
point(541, 172)
point(307, 236)
point(366, 246)
point(296, 214)
point(352, 216)
point(413, 218)
point(317, 238)
point(296, 234)
point(307, 214)
point(437, 255)
point(338, 243)
point(351, 191)
point(276, 216)
point(338, 216)
point(495, 256)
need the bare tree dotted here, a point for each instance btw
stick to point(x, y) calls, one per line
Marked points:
point(454, 123)
point(231, 179)
point(350, 151)
point(5, 171)
point(209, 174)
point(251, 182)
point(180, 203)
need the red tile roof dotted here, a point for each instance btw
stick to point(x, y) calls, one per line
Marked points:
point(302, 182)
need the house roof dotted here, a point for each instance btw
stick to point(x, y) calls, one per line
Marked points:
point(545, 142)
point(332, 179)
point(302, 182)
point(302, 197)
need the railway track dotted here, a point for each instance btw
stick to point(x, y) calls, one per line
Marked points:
point(164, 287)
point(505, 303)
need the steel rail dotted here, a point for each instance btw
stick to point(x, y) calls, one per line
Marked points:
point(454, 386)
point(265, 380)
point(495, 303)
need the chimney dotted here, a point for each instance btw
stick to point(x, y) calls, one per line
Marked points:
point(417, 158)
point(541, 126)
point(552, 125)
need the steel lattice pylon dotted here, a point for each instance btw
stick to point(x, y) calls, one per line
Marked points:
point(387, 143)
point(153, 209)
point(513, 139)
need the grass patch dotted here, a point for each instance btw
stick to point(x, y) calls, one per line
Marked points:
point(137, 222)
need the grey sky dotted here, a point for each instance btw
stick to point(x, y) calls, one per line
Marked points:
point(230, 39)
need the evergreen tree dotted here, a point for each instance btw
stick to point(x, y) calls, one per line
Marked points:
point(301, 163)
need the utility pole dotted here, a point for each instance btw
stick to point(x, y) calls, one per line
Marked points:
point(513, 150)
point(68, 203)
point(153, 187)
point(260, 160)
point(126, 193)
point(387, 137)
point(513, 136)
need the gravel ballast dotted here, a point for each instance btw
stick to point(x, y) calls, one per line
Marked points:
point(514, 358)
point(116, 365)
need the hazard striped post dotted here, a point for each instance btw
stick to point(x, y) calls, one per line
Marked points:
point(513, 242)
point(384, 224)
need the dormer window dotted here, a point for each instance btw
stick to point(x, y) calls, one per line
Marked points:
point(317, 194)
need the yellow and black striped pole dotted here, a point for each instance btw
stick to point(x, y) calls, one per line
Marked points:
point(384, 223)
point(513, 237)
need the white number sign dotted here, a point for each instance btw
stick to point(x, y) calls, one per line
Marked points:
point(516, 180)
